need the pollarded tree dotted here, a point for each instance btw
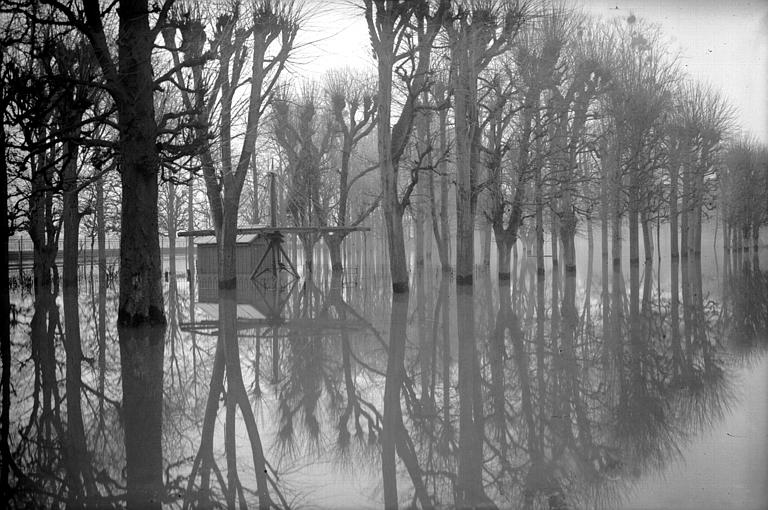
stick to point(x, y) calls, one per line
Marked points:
point(353, 102)
point(263, 36)
point(642, 75)
point(477, 33)
point(303, 131)
point(266, 33)
point(402, 33)
point(439, 99)
point(701, 120)
point(581, 78)
point(743, 178)
point(506, 187)
point(513, 127)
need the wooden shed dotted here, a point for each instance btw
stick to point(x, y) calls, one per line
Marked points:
point(250, 249)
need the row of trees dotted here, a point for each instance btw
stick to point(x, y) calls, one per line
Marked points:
point(530, 112)
point(555, 115)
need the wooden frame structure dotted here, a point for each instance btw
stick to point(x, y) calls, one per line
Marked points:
point(275, 256)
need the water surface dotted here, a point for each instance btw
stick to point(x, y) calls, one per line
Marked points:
point(327, 392)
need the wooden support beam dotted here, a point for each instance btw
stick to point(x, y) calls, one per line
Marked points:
point(284, 230)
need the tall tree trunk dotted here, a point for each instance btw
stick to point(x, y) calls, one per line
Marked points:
point(465, 214)
point(190, 243)
point(418, 219)
point(647, 237)
point(487, 231)
point(236, 394)
point(604, 248)
point(391, 207)
point(568, 235)
point(75, 443)
point(5, 339)
point(334, 243)
point(554, 229)
point(503, 251)
point(440, 221)
point(685, 205)
point(141, 295)
point(539, 198)
point(172, 218)
point(673, 212)
point(255, 216)
point(616, 220)
point(633, 218)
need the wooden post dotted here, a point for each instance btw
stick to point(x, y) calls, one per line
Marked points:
point(21, 265)
point(272, 200)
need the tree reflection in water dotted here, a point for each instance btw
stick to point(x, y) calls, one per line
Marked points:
point(532, 392)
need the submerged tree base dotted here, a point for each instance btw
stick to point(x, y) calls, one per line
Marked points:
point(464, 279)
point(400, 287)
point(141, 368)
point(127, 319)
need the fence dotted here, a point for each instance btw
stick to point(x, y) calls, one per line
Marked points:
point(21, 250)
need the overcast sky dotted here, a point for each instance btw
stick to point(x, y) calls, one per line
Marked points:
point(722, 42)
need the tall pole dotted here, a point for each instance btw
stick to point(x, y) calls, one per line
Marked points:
point(272, 200)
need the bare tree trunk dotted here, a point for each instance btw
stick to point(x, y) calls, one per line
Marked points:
point(554, 229)
point(334, 244)
point(101, 230)
point(465, 214)
point(75, 443)
point(190, 241)
point(755, 237)
point(685, 207)
point(487, 230)
point(616, 219)
point(255, 216)
point(391, 207)
point(418, 219)
point(673, 212)
point(308, 246)
point(440, 222)
point(539, 198)
point(236, 394)
point(633, 217)
point(568, 236)
point(171, 214)
point(141, 295)
point(503, 251)
point(5, 339)
point(604, 248)
point(647, 237)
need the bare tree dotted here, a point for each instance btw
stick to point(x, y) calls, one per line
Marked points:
point(477, 32)
point(303, 131)
point(353, 103)
point(402, 33)
point(264, 36)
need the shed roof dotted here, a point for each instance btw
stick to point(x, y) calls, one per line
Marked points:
point(240, 239)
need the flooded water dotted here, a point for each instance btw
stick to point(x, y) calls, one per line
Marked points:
point(566, 392)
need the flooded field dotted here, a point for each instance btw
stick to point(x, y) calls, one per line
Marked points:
point(577, 391)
